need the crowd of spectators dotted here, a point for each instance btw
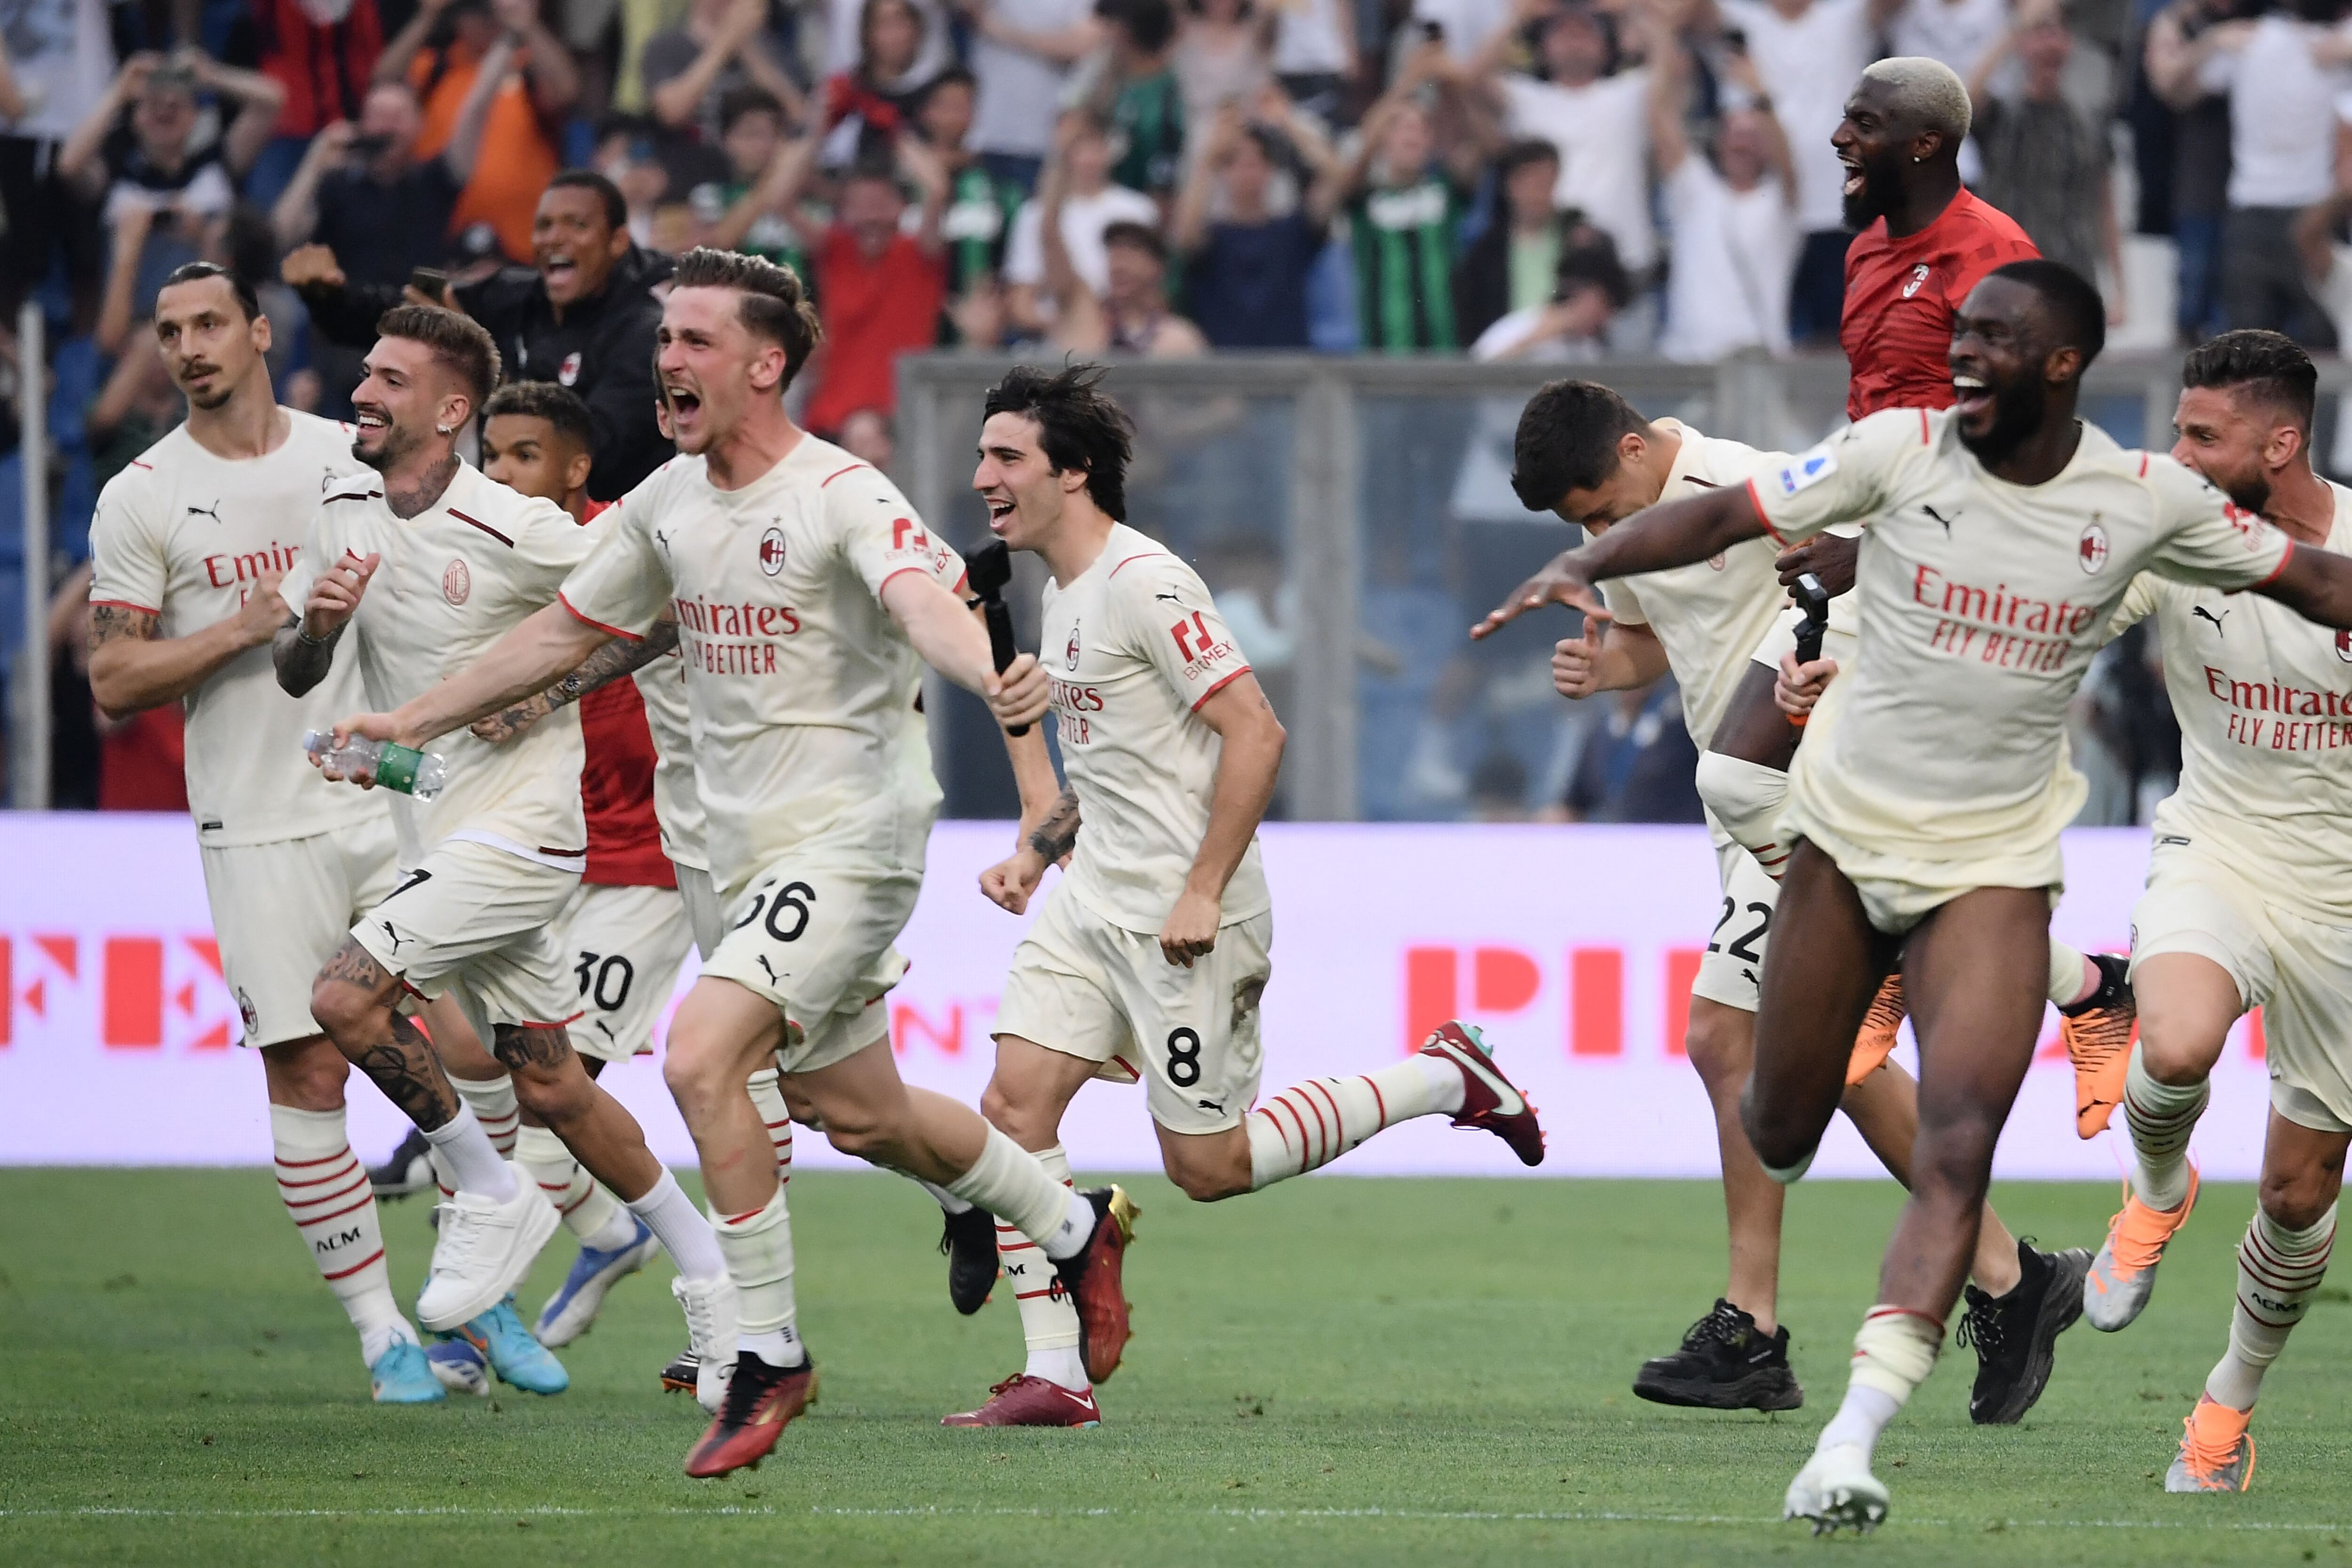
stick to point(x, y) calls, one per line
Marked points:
point(1551, 180)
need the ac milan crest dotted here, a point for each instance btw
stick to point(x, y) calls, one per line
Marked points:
point(457, 583)
point(1070, 655)
point(772, 551)
point(2091, 553)
point(1918, 278)
point(2344, 647)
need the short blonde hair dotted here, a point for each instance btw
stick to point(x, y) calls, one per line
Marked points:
point(1926, 92)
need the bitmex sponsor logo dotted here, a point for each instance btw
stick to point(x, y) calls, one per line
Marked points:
point(148, 993)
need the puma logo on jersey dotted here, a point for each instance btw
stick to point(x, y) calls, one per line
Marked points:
point(1170, 597)
point(1216, 1106)
point(2207, 614)
point(396, 938)
point(212, 512)
point(1939, 517)
point(774, 978)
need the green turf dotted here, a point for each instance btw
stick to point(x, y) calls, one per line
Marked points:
point(1339, 1371)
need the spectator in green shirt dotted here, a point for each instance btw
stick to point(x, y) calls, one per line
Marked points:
point(740, 213)
point(1139, 95)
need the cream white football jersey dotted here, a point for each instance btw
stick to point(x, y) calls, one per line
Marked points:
point(453, 580)
point(2264, 702)
point(1982, 604)
point(187, 536)
point(802, 688)
point(1134, 647)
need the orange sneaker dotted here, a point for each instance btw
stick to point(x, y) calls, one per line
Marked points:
point(2098, 1042)
point(1876, 1043)
point(2217, 1452)
point(2123, 1276)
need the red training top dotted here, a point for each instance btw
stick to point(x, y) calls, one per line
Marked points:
point(617, 786)
point(1901, 295)
point(874, 310)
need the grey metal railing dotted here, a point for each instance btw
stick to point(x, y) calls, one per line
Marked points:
point(1377, 486)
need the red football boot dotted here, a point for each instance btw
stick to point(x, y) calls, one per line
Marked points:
point(1025, 1400)
point(760, 1401)
point(1092, 1278)
point(1490, 1101)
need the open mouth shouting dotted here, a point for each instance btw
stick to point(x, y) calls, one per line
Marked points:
point(1854, 178)
point(1972, 398)
point(1000, 512)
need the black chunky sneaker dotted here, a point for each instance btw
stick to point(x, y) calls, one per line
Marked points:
point(2015, 1335)
point(1726, 1363)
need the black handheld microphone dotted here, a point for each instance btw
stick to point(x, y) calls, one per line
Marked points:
point(987, 570)
point(1814, 600)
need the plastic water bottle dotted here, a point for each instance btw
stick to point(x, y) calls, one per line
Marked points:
point(394, 767)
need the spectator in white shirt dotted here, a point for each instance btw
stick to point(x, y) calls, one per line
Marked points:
point(1731, 212)
point(1315, 52)
point(1959, 33)
point(1022, 60)
point(1811, 53)
point(1090, 204)
point(2289, 87)
point(1598, 123)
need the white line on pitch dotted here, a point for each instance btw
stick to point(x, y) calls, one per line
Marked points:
point(1270, 1514)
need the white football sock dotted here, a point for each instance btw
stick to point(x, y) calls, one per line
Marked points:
point(1747, 797)
point(2072, 978)
point(326, 1190)
point(1310, 1124)
point(2277, 1271)
point(493, 1100)
point(591, 1213)
point(2161, 1116)
point(1049, 1318)
point(472, 1164)
point(1893, 1355)
point(759, 1259)
point(685, 1234)
point(768, 1098)
point(1008, 1181)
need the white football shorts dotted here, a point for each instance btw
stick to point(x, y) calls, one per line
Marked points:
point(2297, 971)
point(814, 936)
point(626, 944)
point(1731, 971)
point(1099, 991)
point(486, 923)
point(281, 910)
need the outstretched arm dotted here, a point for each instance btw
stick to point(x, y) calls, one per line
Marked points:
point(548, 642)
point(2316, 585)
point(609, 663)
point(1675, 533)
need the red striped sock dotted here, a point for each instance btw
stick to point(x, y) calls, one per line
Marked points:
point(326, 1193)
point(768, 1098)
point(1310, 1124)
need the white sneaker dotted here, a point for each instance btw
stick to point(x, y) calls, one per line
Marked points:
point(483, 1251)
point(709, 1307)
point(1836, 1487)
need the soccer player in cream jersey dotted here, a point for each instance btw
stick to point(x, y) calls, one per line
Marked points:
point(1150, 958)
point(188, 547)
point(2249, 899)
point(491, 860)
point(2000, 535)
point(808, 596)
point(1585, 454)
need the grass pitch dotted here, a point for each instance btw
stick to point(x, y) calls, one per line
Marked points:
point(1337, 1371)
